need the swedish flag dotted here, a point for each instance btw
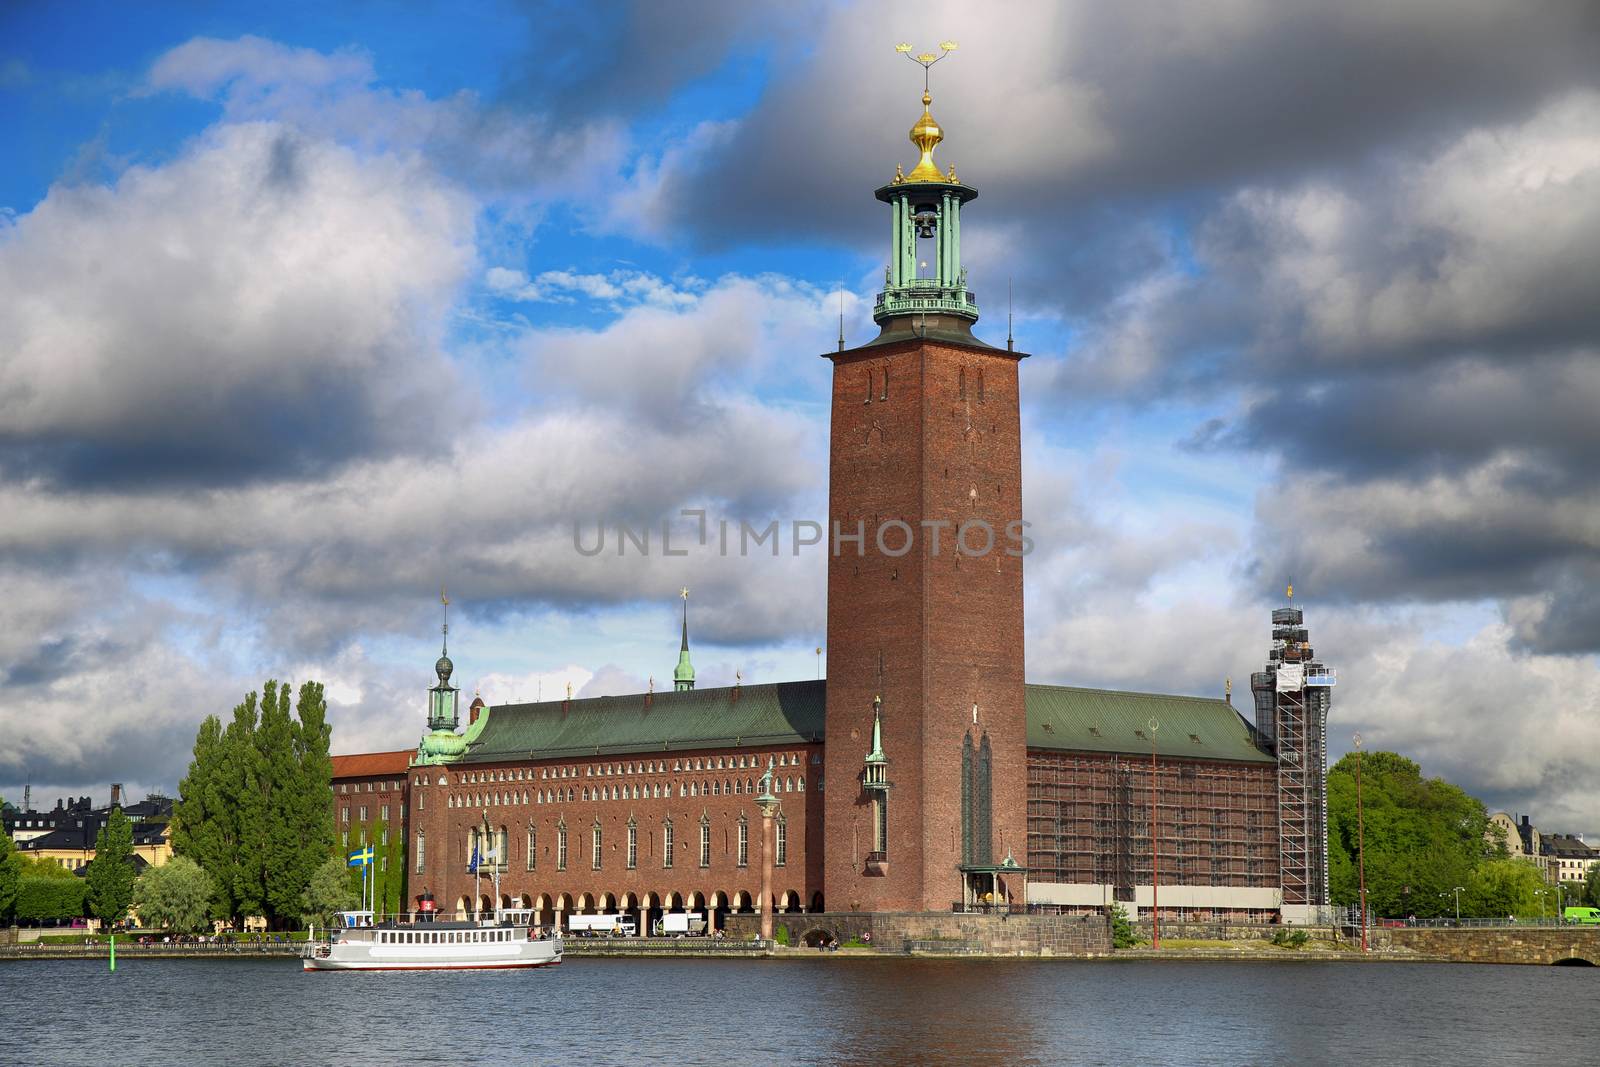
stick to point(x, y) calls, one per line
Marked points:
point(361, 857)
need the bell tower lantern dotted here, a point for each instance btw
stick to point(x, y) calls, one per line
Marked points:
point(925, 274)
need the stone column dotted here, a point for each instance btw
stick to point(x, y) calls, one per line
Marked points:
point(766, 875)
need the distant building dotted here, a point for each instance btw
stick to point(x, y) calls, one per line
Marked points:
point(1567, 858)
point(1513, 837)
point(66, 835)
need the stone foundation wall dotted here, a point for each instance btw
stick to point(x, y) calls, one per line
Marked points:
point(1502, 944)
point(997, 935)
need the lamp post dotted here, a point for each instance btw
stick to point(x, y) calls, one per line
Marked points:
point(1361, 847)
point(1457, 891)
point(767, 803)
point(1155, 853)
point(1540, 893)
point(1561, 914)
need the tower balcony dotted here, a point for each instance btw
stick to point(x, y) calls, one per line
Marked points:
point(925, 296)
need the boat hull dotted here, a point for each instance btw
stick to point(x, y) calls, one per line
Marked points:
point(364, 955)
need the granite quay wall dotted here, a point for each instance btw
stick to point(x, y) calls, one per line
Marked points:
point(942, 932)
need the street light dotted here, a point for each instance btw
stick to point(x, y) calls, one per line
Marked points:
point(1457, 891)
point(768, 803)
point(1361, 846)
point(1540, 893)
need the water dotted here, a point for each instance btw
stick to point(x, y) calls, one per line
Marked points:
point(825, 1011)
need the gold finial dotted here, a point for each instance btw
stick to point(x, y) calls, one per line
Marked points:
point(684, 592)
point(569, 690)
point(1290, 592)
point(927, 133)
point(899, 175)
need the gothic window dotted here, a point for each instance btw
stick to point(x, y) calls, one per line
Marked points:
point(782, 850)
point(985, 820)
point(966, 799)
point(561, 845)
point(421, 851)
point(869, 385)
point(885, 395)
point(744, 842)
point(666, 844)
point(533, 846)
point(705, 841)
point(880, 821)
point(595, 840)
point(633, 845)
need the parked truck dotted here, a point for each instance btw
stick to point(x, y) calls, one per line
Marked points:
point(601, 926)
point(681, 923)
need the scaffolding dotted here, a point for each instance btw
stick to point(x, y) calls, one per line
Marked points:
point(1292, 720)
point(1089, 821)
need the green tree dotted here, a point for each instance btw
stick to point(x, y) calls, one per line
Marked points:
point(46, 898)
point(1502, 887)
point(10, 874)
point(394, 865)
point(111, 874)
point(328, 891)
point(175, 896)
point(255, 810)
point(1424, 836)
point(1591, 886)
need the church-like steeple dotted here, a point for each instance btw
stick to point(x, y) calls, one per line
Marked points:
point(441, 743)
point(683, 674)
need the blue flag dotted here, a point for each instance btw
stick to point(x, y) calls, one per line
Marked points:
point(362, 857)
point(472, 864)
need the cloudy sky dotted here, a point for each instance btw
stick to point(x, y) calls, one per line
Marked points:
point(308, 309)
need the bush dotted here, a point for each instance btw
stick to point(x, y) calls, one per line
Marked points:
point(781, 935)
point(1123, 934)
point(1290, 938)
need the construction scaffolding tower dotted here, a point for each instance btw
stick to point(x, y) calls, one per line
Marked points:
point(1292, 698)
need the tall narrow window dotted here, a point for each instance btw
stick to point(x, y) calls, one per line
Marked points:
point(421, 851)
point(985, 820)
point(880, 821)
point(885, 395)
point(561, 846)
point(966, 799)
point(782, 850)
point(705, 841)
point(533, 846)
point(744, 842)
point(595, 834)
point(961, 384)
point(633, 845)
point(869, 385)
point(980, 385)
point(666, 844)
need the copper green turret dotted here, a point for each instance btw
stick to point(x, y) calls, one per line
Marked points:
point(441, 744)
point(683, 674)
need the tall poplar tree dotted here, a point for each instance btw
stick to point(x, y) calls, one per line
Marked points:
point(10, 874)
point(111, 874)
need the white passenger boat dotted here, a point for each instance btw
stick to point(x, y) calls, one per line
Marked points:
point(508, 940)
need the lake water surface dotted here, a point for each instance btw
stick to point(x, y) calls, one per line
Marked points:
point(827, 1011)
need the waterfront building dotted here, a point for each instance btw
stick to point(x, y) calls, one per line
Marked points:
point(1567, 858)
point(924, 773)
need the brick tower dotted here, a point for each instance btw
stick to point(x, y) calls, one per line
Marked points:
point(926, 774)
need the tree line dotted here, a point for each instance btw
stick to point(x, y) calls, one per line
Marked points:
point(1424, 837)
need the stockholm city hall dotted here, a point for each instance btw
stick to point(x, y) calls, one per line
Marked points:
point(925, 774)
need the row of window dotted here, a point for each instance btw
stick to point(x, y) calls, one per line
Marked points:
point(647, 791)
point(608, 770)
point(361, 814)
point(371, 787)
point(481, 843)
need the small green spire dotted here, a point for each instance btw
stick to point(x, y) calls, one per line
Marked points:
point(683, 674)
point(876, 755)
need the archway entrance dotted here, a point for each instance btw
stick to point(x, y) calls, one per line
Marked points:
point(816, 937)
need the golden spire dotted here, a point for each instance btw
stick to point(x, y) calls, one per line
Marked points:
point(927, 133)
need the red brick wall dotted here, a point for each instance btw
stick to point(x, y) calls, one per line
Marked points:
point(948, 627)
point(446, 813)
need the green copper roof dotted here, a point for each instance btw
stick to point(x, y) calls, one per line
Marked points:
point(774, 714)
point(1059, 717)
point(1102, 720)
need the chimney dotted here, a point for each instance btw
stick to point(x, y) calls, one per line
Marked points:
point(116, 794)
point(472, 712)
